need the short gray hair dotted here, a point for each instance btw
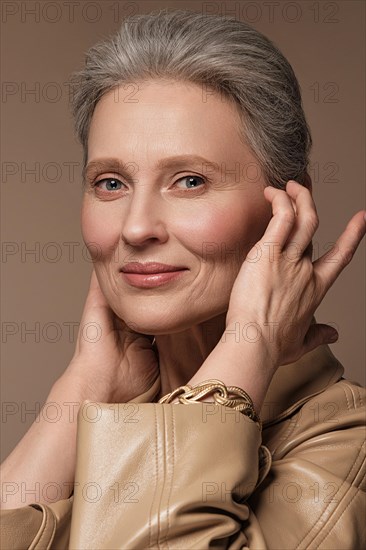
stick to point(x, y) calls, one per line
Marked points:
point(222, 53)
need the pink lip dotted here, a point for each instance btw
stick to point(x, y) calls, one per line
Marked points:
point(150, 280)
point(150, 267)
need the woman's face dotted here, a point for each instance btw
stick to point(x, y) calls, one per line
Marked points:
point(202, 213)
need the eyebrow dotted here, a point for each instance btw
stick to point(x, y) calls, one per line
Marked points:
point(116, 165)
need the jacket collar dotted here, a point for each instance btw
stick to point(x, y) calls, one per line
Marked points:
point(295, 383)
point(291, 386)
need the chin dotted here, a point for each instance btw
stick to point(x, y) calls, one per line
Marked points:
point(147, 320)
point(163, 320)
point(156, 324)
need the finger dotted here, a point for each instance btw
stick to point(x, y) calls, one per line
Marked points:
point(95, 295)
point(307, 221)
point(318, 335)
point(330, 265)
point(283, 219)
point(96, 308)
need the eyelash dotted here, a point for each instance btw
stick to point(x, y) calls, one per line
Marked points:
point(204, 180)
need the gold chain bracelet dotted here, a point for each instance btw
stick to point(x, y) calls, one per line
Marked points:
point(241, 400)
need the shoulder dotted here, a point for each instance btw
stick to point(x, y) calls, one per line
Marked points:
point(317, 481)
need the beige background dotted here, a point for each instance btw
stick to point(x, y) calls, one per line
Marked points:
point(45, 290)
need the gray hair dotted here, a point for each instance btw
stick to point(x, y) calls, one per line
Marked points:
point(222, 53)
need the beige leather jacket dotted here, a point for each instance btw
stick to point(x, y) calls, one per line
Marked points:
point(199, 476)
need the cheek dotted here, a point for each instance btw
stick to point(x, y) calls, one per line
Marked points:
point(219, 235)
point(100, 237)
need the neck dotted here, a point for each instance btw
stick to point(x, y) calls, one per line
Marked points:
point(182, 354)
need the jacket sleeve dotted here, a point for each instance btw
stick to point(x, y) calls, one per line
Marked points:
point(36, 526)
point(174, 476)
point(151, 475)
point(315, 494)
point(42, 526)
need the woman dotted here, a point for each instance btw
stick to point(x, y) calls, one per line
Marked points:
point(268, 453)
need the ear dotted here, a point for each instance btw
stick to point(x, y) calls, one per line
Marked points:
point(308, 183)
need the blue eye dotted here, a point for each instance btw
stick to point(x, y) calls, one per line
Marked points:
point(113, 184)
point(191, 180)
point(110, 181)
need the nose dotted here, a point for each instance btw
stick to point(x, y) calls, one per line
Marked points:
point(142, 219)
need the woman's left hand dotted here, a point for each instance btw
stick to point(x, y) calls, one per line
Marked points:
point(278, 287)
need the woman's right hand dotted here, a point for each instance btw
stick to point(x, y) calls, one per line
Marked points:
point(111, 362)
point(279, 290)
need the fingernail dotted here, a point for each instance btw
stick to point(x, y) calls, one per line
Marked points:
point(333, 337)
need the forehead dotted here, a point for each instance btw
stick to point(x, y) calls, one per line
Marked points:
point(164, 108)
